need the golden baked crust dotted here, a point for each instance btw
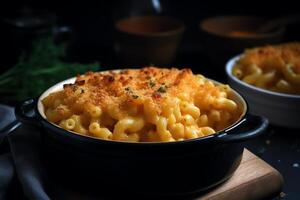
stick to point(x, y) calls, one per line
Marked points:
point(273, 56)
point(131, 86)
point(275, 68)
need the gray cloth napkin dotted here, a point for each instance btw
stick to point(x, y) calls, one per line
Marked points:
point(24, 143)
point(6, 163)
point(6, 174)
point(6, 117)
point(24, 162)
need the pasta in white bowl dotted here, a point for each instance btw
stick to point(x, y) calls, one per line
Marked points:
point(281, 109)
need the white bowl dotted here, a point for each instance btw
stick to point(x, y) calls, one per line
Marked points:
point(281, 109)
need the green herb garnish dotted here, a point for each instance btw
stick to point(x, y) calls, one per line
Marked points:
point(152, 84)
point(128, 89)
point(135, 96)
point(162, 89)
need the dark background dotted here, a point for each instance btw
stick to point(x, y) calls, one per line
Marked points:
point(92, 24)
point(92, 40)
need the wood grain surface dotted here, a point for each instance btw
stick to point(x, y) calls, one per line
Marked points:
point(254, 179)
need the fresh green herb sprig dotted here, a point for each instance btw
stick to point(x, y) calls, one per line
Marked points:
point(38, 70)
point(162, 89)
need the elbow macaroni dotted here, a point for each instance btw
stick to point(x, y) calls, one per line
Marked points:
point(275, 68)
point(146, 105)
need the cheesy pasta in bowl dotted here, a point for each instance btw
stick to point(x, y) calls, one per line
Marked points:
point(127, 129)
point(269, 78)
point(274, 68)
point(148, 105)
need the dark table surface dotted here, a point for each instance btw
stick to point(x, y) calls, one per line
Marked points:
point(280, 147)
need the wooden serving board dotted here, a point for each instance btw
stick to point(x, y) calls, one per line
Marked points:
point(254, 179)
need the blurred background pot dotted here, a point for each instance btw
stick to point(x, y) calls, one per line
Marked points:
point(226, 36)
point(146, 40)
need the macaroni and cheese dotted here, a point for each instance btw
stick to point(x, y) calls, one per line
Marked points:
point(275, 68)
point(143, 105)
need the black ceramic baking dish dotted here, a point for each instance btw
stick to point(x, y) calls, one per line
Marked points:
point(159, 169)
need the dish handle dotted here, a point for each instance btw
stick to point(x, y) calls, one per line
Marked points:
point(25, 112)
point(250, 127)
